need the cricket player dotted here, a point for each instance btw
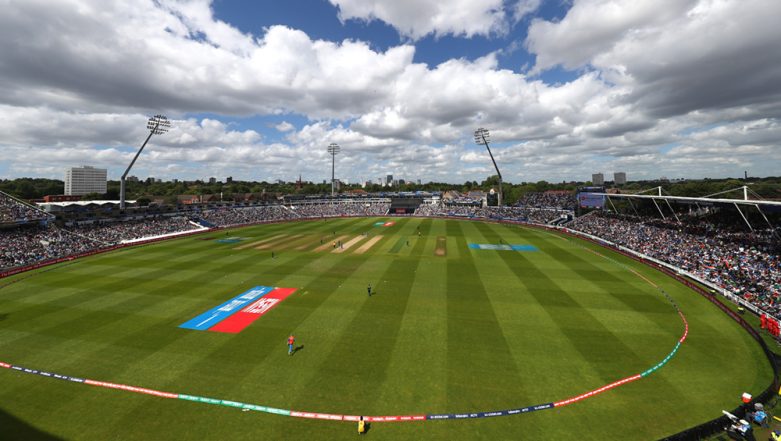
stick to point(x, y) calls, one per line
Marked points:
point(361, 426)
point(291, 341)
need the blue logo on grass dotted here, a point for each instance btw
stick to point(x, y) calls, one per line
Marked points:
point(501, 247)
point(220, 313)
point(231, 240)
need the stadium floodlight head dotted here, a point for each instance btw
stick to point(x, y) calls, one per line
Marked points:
point(157, 125)
point(483, 137)
point(333, 149)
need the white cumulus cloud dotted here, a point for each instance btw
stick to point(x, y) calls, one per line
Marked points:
point(655, 85)
point(416, 19)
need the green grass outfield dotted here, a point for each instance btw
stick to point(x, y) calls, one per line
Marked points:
point(450, 330)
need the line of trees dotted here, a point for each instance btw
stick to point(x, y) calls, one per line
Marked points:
point(36, 188)
point(27, 188)
point(31, 188)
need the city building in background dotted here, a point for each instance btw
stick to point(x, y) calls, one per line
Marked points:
point(85, 180)
point(598, 179)
point(619, 178)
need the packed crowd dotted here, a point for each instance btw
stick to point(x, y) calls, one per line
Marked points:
point(341, 209)
point(116, 232)
point(560, 200)
point(222, 217)
point(746, 264)
point(523, 214)
point(428, 210)
point(28, 245)
point(249, 215)
point(447, 210)
point(12, 210)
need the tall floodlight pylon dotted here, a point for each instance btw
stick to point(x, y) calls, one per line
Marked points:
point(157, 125)
point(482, 137)
point(333, 149)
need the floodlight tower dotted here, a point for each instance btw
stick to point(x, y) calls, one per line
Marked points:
point(482, 137)
point(333, 149)
point(157, 125)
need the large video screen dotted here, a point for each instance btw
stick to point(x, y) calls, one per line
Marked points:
point(591, 200)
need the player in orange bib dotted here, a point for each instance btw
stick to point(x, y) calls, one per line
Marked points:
point(291, 341)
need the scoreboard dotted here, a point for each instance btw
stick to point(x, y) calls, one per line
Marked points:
point(591, 200)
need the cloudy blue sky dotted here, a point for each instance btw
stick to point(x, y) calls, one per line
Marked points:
point(258, 90)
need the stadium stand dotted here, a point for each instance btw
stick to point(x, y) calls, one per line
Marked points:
point(557, 200)
point(27, 245)
point(521, 214)
point(117, 232)
point(32, 244)
point(312, 209)
point(744, 263)
point(342, 208)
point(15, 211)
point(224, 217)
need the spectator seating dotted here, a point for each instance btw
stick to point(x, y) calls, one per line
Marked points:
point(14, 211)
point(745, 263)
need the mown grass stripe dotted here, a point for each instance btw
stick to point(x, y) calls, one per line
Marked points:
point(596, 344)
point(354, 355)
point(476, 343)
point(625, 288)
point(420, 386)
point(404, 228)
point(400, 242)
point(382, 314)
